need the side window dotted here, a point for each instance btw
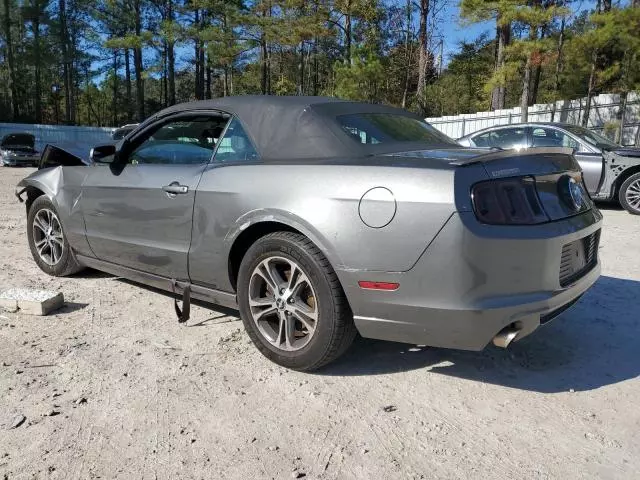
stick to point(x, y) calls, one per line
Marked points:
point(235, 145)
point(505, 138)
point(187, 141)
point(360, 136)
point(550, 137)
point(482, 140)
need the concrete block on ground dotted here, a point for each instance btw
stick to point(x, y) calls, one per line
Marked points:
point(30, 301)
point(9, 304)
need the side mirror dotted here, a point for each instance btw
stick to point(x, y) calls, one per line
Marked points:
point(103, 154)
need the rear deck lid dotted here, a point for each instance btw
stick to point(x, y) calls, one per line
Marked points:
point(550, 175)
point(531, 161)
point(553, 173)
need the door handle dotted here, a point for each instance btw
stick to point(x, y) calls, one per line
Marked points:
point(174, 188)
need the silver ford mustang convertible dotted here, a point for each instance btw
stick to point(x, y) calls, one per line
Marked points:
point(319, 218)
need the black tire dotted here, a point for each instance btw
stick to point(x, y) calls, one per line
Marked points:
point(632, 182)
point(67, 263)
point(335, 329)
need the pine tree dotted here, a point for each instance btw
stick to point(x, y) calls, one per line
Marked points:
point(502, 11)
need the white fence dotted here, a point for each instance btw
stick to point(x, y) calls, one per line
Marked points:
point(605, 109)
point(75, 138)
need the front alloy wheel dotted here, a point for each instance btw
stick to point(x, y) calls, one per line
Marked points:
point(47, 241)
point(47, 236)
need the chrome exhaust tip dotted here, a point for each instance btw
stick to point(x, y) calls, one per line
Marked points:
point(506, 336)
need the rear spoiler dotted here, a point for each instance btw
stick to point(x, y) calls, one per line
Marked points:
point(502, 154)
point(529, 161)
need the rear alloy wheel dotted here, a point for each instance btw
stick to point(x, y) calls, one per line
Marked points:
point(629, 195)
point(292, 304)
point(48, 244)
point(283, 303)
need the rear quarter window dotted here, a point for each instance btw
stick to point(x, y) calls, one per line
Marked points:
point(378, 128)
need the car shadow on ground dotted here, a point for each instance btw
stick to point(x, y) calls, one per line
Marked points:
point(592, 345)
point(608, 205)
point(219, 315)
point(90, 273)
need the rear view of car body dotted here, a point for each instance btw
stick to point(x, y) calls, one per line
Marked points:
point(490, 275)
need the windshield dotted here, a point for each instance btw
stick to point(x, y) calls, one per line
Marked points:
point(592, 138)
point(377, 128)
point(18, 140)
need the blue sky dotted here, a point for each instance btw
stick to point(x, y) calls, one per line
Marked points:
point(453, 33)
point(449, 29)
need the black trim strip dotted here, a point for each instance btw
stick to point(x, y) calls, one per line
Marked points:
point(199, 292)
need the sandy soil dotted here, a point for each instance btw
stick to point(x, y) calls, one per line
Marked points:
point(112, 387)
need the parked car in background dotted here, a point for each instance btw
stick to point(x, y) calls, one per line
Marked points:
point(318, 218)
point(611, 172)
point(120, 133)
point(18, 149)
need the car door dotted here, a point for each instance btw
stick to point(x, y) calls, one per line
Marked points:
point(138, 210)
point(218, 206)
point(590, 161)
point(592, 164)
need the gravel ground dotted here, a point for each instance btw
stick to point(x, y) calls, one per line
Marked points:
point(112, 387)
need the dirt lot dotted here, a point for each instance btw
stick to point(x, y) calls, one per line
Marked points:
point(112, 387)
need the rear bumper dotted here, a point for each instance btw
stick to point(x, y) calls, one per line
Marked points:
point(473, 281)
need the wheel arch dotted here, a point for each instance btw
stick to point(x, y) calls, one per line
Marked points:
point(32, 193)
point(622, 178)
point(35, 190)
point(42, 182)
point(250, 231)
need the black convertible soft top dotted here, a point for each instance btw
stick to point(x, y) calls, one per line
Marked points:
point(298, 127)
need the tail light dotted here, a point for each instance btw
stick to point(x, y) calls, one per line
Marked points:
point(511, 201)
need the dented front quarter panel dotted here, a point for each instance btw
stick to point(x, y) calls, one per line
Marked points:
point(63, 186)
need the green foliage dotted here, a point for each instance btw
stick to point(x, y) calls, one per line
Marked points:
point(284, 86)
point(612, 40)
point(461, 88)
point(357, 49)
point(361, 80)
point(503, 11)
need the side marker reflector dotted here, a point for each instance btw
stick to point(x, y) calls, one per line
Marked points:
point(378, 285)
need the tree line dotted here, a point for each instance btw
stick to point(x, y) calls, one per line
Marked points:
point(110, 62)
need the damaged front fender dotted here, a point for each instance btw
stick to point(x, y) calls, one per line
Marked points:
point(63, 187)
point(42, 182)
point(617, 165)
